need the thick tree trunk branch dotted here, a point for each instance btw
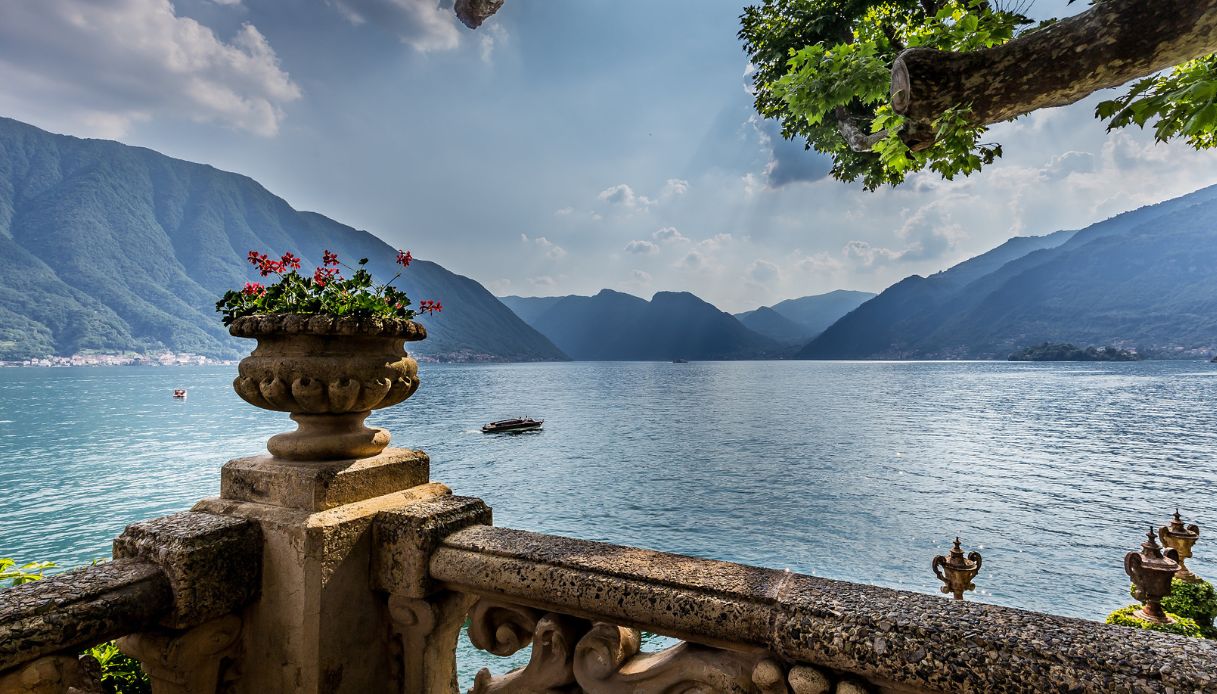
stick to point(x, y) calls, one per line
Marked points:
point(1111, 43)
point(473, 12)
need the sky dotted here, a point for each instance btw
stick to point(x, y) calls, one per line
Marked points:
point(563, 147)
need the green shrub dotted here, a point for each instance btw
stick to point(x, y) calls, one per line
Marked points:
point(1197, 601)
point(1182, 625)
point(120, 673)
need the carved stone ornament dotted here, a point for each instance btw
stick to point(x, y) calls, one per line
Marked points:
point(187, 662)
point(1181, 538)
point(957, 571)
point(1151, 571)
point(329, 373)
point(570, 655)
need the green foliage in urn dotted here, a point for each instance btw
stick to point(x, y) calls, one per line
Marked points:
point(1181, 625)
point(326, 292)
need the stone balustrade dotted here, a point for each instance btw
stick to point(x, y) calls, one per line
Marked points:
point(359, 576)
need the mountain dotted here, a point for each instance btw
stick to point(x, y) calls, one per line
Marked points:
point(109, 247)
point(616, 326)
point(1142, 280)
point(811, 315)
point(530, 308)
point(772, 324)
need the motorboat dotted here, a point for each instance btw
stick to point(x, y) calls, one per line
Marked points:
point(516, 424)
point(179, 393)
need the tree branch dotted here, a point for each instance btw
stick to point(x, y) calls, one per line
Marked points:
point(1107, 45)
point(473, 12)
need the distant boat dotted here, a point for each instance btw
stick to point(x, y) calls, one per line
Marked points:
point(517, 424)
point(179, 393)
point(678, 360)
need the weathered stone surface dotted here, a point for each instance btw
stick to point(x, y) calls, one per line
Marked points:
point(893, 639)
point(187, 662)
point(320, 626)
point(329, 373)
point(80, 608)
point(317, 486)
point(56, 674)
point(213, 563)
point(404, 538)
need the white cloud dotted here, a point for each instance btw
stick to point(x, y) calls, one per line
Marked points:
point(97, 66)
point(641, 248)
point(669, 235)
point(543, 282)
point(714, 242)
point(674, 187)
point(622, 194)
point(564, 212)
point(491, 36)
point(227, 2)
point(694, 260)
point(642, 277)
point(424, 25)
point(817, 263)
point(547, 248)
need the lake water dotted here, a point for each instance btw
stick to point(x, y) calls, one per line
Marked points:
point(855, 471)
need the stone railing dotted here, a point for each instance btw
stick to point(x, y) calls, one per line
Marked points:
point(358, 576)
point(176, 579)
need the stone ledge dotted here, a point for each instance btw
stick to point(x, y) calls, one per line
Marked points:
point(895, 639)
point(80, 608)
point(213, 563)
point(404, 538)
point(318, 486)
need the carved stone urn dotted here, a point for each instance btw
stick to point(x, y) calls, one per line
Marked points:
point(329, 373)
point(1181, 537)
point(1151, 571)
point(957, 571)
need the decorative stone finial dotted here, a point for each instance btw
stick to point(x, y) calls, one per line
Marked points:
point(959, 570)
point(1181, 537)
point(1151, 571)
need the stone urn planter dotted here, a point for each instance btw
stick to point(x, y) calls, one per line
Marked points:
point(329, 373)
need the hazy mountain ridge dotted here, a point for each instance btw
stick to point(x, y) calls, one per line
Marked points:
point(810, 315)
point(109, 247)
point(615, 326)
point(1134, 280)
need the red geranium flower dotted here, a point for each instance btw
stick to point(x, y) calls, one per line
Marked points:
point(429, 306)
point(291, 261)
point(328, 258)
point(253, 289)
point(404, 258)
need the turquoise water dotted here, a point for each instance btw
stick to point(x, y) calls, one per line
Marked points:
point(857, 471)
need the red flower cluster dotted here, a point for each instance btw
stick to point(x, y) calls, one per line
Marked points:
point(253, 289)
point(322, 275)
point(290, 260)
point(404, 258)
point(328, 259)
point(429, 306)
point(266, 266)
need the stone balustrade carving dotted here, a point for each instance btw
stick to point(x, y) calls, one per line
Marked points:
point(748, 629)
point(171, 591)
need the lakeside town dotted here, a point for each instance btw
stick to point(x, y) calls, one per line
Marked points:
point(123, 359)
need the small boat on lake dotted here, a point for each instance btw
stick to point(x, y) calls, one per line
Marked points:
point(516, 424)
point(179, 393)
point(678, 360)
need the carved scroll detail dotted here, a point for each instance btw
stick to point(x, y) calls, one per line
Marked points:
point(501, 629)
point(608, 661)
point(549, 670)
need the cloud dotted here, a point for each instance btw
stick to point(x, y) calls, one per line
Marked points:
point(424, 25)
point(674, 187)
point(669, 235)
point(693, 260)
point(787, 161)
point(622, 194)
point(763, 271)
point(99, 66)
point(868, 255)
point(642, 277)
point(817, 263)
point(641, 248)
point(543, 282)
point(491, 36)
point(714, 242)
point(1060, 166)
point(547, 248)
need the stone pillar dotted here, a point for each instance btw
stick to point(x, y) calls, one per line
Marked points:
point(320, 624)
point(427, 619)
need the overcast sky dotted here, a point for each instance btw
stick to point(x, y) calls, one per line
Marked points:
point(564, 147)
